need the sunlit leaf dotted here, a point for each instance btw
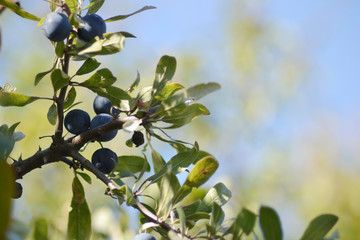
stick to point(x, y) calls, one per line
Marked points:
point(59, 49)
point(133, 163)
point(84, 176)
point(110, 44)
point(94, 6)
point(19, 11)
point(319, 227)
point(173, 105)
point(79, 223)
point(134, 84)
point(158, 161)
point(165, 71)
point(168, 91)
point(41, 75)
point(15, 99)
point(102, 78)
point(202, 171)
point(169, 185)
point(52, 113)
point(72, 4)
point(121, 17)
point(131, 126)
point(190, 113)
point(88, 66)
point(270, 224)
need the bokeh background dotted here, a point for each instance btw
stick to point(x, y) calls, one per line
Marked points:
point(284, 126)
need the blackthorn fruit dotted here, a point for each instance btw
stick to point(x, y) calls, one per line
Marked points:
point(144, 236)
point(102, 105)
point(77, 121)
point(104, 159)
point(56, 27)
point(138, 138)
point(100, 120)
point(94, 26)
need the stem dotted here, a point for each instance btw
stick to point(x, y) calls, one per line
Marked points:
point(60, 103)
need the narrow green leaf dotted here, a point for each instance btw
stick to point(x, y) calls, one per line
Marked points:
point(100, 79)
point(168, 91)
point(15, 99)
point(246, 221)
point(169, 186)
point(88, 66)
point(59, 49)
point(72, 4)
point(190, 113)
point(52, 113)
point(70, 98)
point(165, 71)
point(40, 229)
point(171, 106)
point(94, 6)
point(121, 17)
point(217, 216)
point(19, 11)
point(270, 224)
point(134, 84)
point(132, 163)
point(59, 79)
point(127, 34)
point(79, 223)
point(319, 227)
point(182, 219)
point(6, 191)
point(158, 161)
point(200, 90)
point(84, 176)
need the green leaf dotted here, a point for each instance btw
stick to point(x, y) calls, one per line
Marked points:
point(173, 105)
point(217, 216)
point(52, 7)
point(270, 224)
point(72, 4)
point(102, 78)
point(132, 163)
point(200, 90)
point(52, 113)
point(6, 191)
point(84, 176)
point(158, 161)
point(110, 44)
point(94, 6)
point(134, 84)
point(79, 223)
point(70, 98)
point(121, 17)
point(177, 164)
point(59, 79)
point(41, 75)
point(182, 219)
point(169, 186)
point(190, 113)
point(202, 171)
point(19, 11)
point(165, 71)
point(218, 194)
point(319, 227)
point(168, 91)
point(40, 229)
point(244, 221)
point(124, 192)
point(88, 66)
point(59, 49)
point(15, 99)
point(117, 96)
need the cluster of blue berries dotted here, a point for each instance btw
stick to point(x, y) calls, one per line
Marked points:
point(78, 121)
point(57, 27)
